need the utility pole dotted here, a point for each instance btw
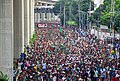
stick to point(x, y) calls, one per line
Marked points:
point(81, 20)
point(83, 14)
point(37, 14)
point(90, 16)
point(60, 12)
point(98, 22)
point(64, 16)
point(79, 14)
point(69, 12)
point(87, 21)
point(84, 20)
point(112, 26)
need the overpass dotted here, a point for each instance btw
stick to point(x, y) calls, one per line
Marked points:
point(16, 28)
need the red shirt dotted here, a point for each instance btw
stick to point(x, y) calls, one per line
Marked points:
point(114, 79)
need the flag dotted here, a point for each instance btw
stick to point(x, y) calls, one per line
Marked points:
point(48, 52)
point(24, 78)
point(62, 47)
point(50, 32)
point(61, 30)
point(52, 48)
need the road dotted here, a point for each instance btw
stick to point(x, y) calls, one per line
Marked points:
point(103, 34)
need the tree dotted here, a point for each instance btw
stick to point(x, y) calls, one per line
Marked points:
point(3, 77)
point(71, 5)
point(104, 11)
point(72, 23)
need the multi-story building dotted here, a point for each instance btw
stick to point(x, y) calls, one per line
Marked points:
point(43, 11)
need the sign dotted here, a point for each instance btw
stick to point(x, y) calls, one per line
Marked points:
point(42, 25)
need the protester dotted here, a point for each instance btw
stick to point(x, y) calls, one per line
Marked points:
point(59, 54)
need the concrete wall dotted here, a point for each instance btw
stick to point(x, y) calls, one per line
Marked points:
point(18, 27)
point(31, 15)
point(6, 37)
point(26, 22)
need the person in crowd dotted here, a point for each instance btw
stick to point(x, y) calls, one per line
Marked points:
point(59, 54)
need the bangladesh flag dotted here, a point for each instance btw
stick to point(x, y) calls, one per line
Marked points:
point(48, 52)
point(62, 47)
point(62, 32)
point(50, 32)
point(52, 48)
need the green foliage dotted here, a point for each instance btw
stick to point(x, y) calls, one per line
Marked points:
point(105, 19)
point(118, 29)
point(71, 8)
point(62, 32)
point(25, 51)
point(33, 38)
point(3, 77)
point(72, 23)
point(104, 11)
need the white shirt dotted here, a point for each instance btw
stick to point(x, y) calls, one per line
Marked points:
point(96, 73)
point(54, 78)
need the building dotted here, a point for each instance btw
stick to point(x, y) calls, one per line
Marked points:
point(17, 27)
point(44, 12)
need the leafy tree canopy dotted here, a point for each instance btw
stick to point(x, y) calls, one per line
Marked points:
point(71, 8)
point(104, 11)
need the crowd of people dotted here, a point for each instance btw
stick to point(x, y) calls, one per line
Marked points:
point(60, 54)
